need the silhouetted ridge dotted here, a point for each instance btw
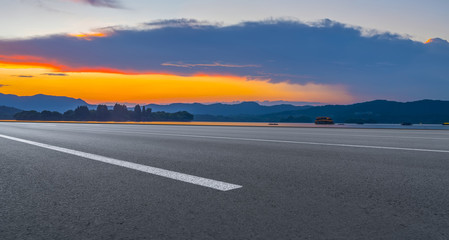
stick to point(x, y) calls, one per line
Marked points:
point(244, 108)
point(41, 102)
point(7, 113)
point(378, 111)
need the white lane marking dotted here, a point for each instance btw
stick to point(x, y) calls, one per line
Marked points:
point(299, 133)
point(303, 129)
point(281, 141)
point(342, 131)
point(205, 182)
point(346, 135)
point(265, 140)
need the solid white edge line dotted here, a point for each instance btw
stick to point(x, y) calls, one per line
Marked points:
point(205, 182)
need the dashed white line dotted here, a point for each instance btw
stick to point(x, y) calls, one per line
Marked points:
point(205, 182)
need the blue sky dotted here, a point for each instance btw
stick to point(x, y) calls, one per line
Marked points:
point(420, 20)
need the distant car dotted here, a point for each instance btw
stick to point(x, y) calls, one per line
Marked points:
point(273, 124)
point(446, 123)
point(324, 121)
point(406, 124)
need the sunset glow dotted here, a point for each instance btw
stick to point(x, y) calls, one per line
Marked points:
point(105, 85)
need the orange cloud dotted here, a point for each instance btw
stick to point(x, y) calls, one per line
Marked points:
point(25, 62)
point(21, 61)
point(88, 36)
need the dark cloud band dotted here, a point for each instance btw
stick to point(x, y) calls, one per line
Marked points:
point(381, 65)
point(23, 76)
point(56, 74)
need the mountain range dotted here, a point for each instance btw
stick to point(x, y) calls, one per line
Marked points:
point(7, 113)
point(61, 104)
point(41, 102)
point(220, 109)
point(378, 111)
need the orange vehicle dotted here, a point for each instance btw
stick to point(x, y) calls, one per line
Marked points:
point(324, 120)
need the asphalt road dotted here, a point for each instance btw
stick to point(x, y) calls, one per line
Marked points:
point(286, 183)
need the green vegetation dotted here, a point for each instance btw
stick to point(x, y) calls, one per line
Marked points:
point(119, 113)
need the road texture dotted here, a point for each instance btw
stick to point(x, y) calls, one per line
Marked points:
point(115, 181)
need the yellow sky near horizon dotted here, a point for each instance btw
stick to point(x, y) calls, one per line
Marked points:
point(97, 87)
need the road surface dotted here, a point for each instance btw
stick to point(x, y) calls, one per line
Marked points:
point(115, 181)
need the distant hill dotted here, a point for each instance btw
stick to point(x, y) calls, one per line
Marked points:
point(379, 111)
point(7, 113)
point(41, 102)
point(220, 109)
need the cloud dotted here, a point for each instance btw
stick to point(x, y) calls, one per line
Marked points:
point(23, 76)
point(3, 85)
point(56, 74)
point(215, 64)
point(41, 4)
point(439, 41)
point(100, 3)
point(368, 63)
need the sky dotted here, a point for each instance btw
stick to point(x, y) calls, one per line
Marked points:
point(145, 51)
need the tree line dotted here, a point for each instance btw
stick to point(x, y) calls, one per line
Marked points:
point(119, 113)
